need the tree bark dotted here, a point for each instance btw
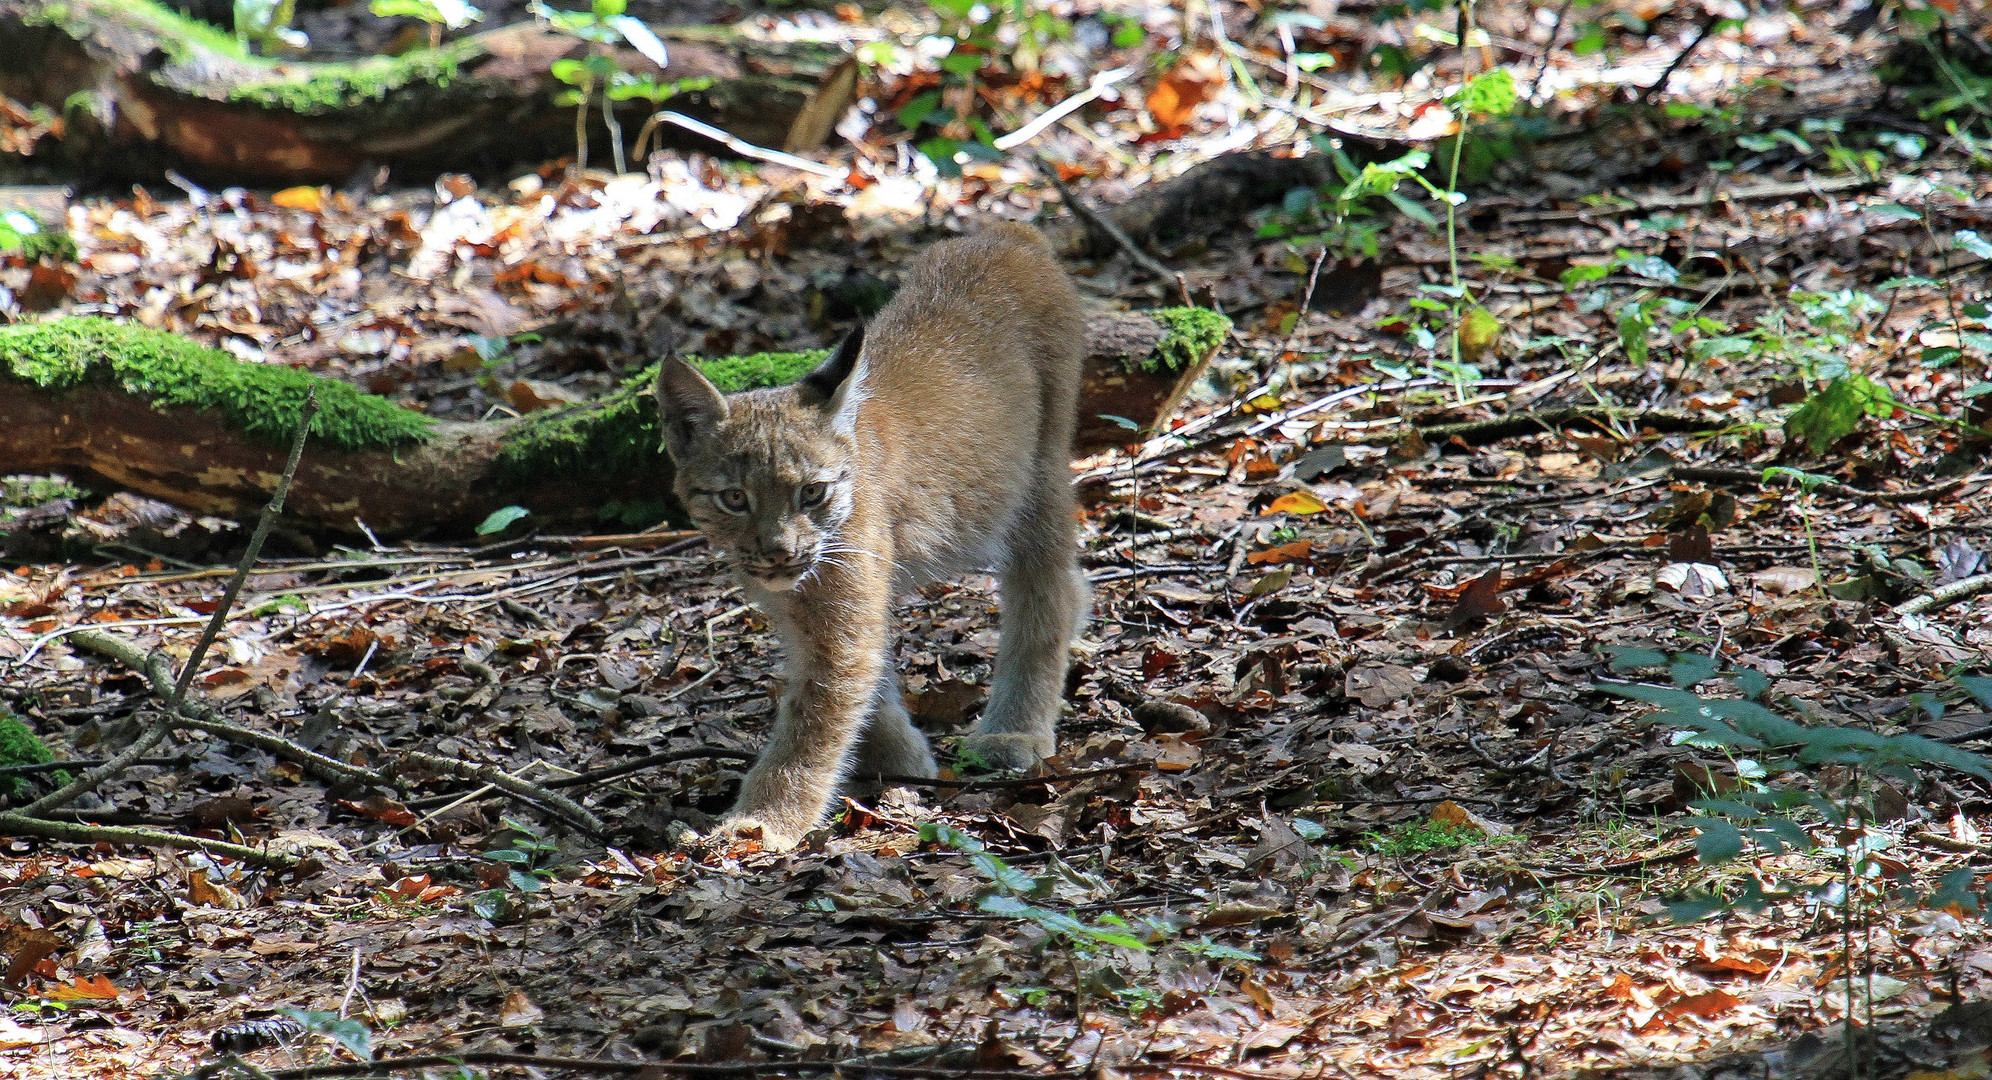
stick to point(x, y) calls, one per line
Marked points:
point(158, 90)
point(103, 426)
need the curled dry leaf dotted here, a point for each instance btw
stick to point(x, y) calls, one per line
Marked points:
point(1695, 581)
point(519, 1011)
point(1784, 580)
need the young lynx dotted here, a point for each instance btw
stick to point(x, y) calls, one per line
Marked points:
point(936, 441)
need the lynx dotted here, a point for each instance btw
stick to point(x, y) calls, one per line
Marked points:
point(935, 441)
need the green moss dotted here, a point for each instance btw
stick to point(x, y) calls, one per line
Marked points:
point(175, 31)
point(617, 435)
point(18, 746)
point(328, 87)
point(293, 86)
point(1193, 333)
point(263, 400)
point(736, 373)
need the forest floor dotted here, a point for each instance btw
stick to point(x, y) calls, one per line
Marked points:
point(1340, 791)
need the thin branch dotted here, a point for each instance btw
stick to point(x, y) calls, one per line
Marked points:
point(1103, 225)
point(201, 718)
point(1708, 23)
point(181, 761)
point(19, 824)
point(1009, 781)
point(168, 720)
point(1948, 594)
point(599, 1067)
point(255, 548)
point(557, 804)
point(744, 148)
point(1829, 487)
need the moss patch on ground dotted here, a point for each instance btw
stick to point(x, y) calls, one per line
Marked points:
point(330, 87)
point(18, 746)
point(618, 434)
point(1193, 333)
point(263, 400)
point(176, 32)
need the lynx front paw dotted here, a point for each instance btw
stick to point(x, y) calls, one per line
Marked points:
point(1014, 750)
point(772, 837)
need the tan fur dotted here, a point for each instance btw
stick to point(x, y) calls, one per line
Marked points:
point(947, 449)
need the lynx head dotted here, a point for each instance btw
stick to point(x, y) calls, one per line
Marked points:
point(767, 474)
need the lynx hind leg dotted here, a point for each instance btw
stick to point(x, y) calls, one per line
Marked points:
point(890, 745)
point(1045, 600)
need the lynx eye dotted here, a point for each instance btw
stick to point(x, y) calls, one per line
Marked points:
point(813, 494)
point(733, 500)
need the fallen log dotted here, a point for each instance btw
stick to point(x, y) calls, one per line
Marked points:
point(120, 405)
point(157, 89)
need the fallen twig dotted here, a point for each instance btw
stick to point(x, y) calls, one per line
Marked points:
point(557, 804)
point(181, 761)
point(1013, 781)
point(201, 718)
point(1097, 85)
point(1709, 22)
point(600, 1067)
point(611, 772)
point(19, 824)
point(741, 146)
point(1103, 225)
point(1826, 487)
point(1774, 190)
point(1947, 594)
point(175, 697)
point(1541, 421)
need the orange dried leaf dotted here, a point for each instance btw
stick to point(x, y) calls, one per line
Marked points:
point(1285, 553)
point(1295, 502)
point(307, 198)
point(1710, 1004)
point(94, 988)
point(1192, 81)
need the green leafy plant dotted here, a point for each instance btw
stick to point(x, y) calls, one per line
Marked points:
point(265, 25)
point(1800, 788)
point(1418, 837)
point(23, 234)
point(604, 24)
point(528, 865)
point(1012, 891)
point(438, 14)
point(626, 87)
point(351, 1034)
point(501, 519)
point(987, 37)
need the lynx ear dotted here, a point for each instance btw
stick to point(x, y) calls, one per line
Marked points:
point(837, 387)
point(687, 403)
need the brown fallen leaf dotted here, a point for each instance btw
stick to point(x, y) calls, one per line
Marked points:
point(1711, 1003)
point(1480, 600)
point(519, 1011)
point(205, 893)
point(1285, 553)
point(1191, 81)
point(26, 946)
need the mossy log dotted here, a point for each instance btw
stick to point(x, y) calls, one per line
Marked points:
point(115, 404)
point(142, 87)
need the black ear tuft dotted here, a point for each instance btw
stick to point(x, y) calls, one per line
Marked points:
point(819, 386)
